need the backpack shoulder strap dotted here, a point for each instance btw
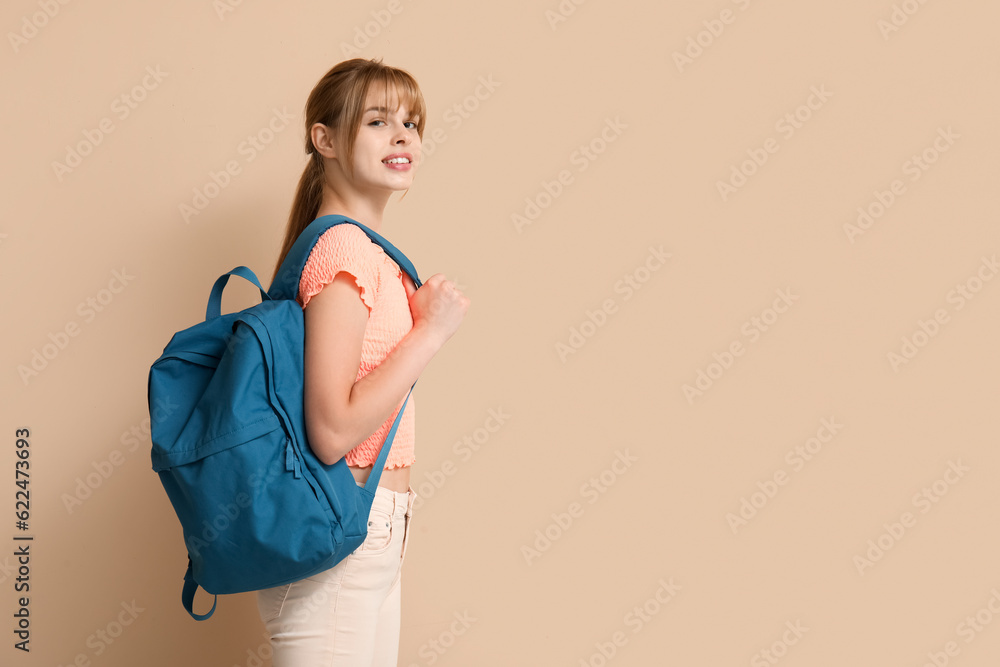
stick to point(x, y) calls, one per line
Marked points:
point(286, 286)
point(286, 281)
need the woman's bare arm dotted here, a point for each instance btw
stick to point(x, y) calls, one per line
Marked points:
point(339, 412)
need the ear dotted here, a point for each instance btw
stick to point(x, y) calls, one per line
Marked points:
point(324, 140)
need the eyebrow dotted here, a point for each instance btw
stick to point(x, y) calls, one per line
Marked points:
point(384, 110)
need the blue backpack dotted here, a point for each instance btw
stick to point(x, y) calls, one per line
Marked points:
point(257, 507)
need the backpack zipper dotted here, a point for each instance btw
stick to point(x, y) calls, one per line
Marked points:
point(292, 463)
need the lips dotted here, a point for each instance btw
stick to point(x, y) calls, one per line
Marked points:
point(408, 157)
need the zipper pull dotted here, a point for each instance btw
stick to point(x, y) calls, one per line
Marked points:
point(292, 459)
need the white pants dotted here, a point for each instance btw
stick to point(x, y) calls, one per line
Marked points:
point(347, 615)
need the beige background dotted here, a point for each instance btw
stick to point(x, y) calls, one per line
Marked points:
point(656, 184)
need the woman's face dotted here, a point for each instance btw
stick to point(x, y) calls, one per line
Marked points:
point(385, 134)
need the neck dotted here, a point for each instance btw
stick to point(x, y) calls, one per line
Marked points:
point(365, 207)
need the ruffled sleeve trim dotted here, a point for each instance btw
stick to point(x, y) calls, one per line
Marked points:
point(345, 248)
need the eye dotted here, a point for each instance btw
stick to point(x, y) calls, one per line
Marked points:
point(411, 123)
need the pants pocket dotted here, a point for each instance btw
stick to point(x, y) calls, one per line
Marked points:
point(270, 602)
point(406, 525)
point(379, 532)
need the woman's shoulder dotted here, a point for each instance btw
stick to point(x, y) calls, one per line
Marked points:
point(348, 237)
point(343, 247)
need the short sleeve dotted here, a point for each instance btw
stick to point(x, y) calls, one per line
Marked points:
point(344, 247)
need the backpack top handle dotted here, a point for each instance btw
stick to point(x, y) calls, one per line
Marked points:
point(214, 308)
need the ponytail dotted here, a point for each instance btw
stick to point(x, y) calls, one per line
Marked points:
point(308, 199)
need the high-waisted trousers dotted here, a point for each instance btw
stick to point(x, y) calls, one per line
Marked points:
point(347, 616)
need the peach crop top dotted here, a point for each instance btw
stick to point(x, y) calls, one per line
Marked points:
point(345, 247)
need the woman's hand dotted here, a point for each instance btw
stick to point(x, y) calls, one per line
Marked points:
point(438, 306)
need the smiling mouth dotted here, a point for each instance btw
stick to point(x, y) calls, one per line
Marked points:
point(396, 160)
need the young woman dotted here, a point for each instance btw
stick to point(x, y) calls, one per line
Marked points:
point(369, 335)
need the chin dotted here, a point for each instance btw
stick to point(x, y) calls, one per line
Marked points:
point(400, 186)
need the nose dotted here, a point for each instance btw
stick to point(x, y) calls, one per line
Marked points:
point(402, 135)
